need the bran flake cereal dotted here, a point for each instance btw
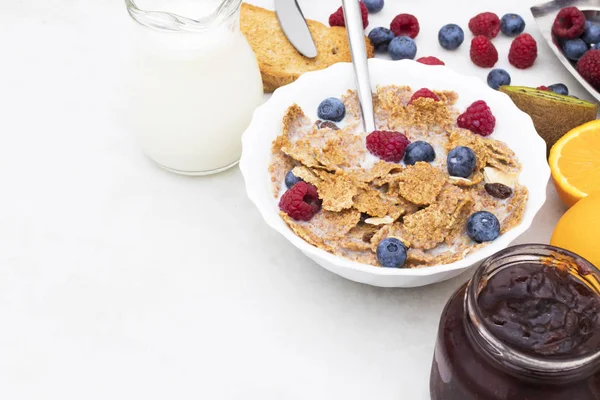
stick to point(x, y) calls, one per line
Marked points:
point(365, 200)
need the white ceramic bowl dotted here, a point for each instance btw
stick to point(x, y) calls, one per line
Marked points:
point(513, 127)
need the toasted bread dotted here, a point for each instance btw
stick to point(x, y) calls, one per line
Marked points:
point(280, 63)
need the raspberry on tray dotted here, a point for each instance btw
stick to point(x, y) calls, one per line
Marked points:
point(337, 18)
point(589, 68)
point(430, 60)
point(523, 51)
point(405, 25)
point(486, 24)
point(483, 52)
point(569, 23)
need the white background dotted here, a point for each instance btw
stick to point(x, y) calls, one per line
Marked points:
point(121, 281)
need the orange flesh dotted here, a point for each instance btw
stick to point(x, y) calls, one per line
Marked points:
point(579, 161)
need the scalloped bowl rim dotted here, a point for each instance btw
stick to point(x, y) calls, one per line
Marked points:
point(534, 204)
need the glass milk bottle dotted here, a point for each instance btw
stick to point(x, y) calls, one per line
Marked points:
point(194, 83)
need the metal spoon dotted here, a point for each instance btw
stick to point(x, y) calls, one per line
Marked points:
point(356, 38)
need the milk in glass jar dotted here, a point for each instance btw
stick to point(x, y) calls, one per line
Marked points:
point(194, 83)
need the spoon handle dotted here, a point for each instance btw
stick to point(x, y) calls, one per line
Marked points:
point(356, 38)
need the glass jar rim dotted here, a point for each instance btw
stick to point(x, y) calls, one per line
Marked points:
point(509, 354)
point(166, 21)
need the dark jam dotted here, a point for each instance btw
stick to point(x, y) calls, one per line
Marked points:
point(537, 310)
point(542, 311)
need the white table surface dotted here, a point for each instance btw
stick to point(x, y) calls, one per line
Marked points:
point(119, 280)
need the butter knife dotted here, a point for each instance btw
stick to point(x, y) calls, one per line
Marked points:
point(294, 26)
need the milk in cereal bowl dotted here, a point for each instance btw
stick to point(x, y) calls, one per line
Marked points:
point(453, 173)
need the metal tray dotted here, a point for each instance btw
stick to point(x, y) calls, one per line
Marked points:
point(544, 15)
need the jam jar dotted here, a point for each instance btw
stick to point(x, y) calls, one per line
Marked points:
point(526, 327)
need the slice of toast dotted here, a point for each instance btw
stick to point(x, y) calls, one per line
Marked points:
point(280, 63)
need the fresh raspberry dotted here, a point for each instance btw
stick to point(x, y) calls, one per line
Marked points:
point(589, 68)
point(478, 118)
point(523, 51)
point(486, 24)
point(301, 202)
point(483, 52)
point(430, 60)
point(405, 25)
point(569, 23)
point(337, 18)
point(543, 88)
point(387, 145)
point(426, 93)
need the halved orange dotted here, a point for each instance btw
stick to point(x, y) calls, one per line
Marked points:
point(575, 163)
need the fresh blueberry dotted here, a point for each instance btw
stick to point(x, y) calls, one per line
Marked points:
point(559, 88)
point(595, 46)
point(574, 49)
point(381, 37)
point(483, 226)
point(498, 77)
point(402, 47)
point(291, 179)
point(591, 33)
point(418, 151)
point(373, 5)
point(451, 36)
point(512, 24)
point(391, 253)
point(461, 162)
point(332, 109)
